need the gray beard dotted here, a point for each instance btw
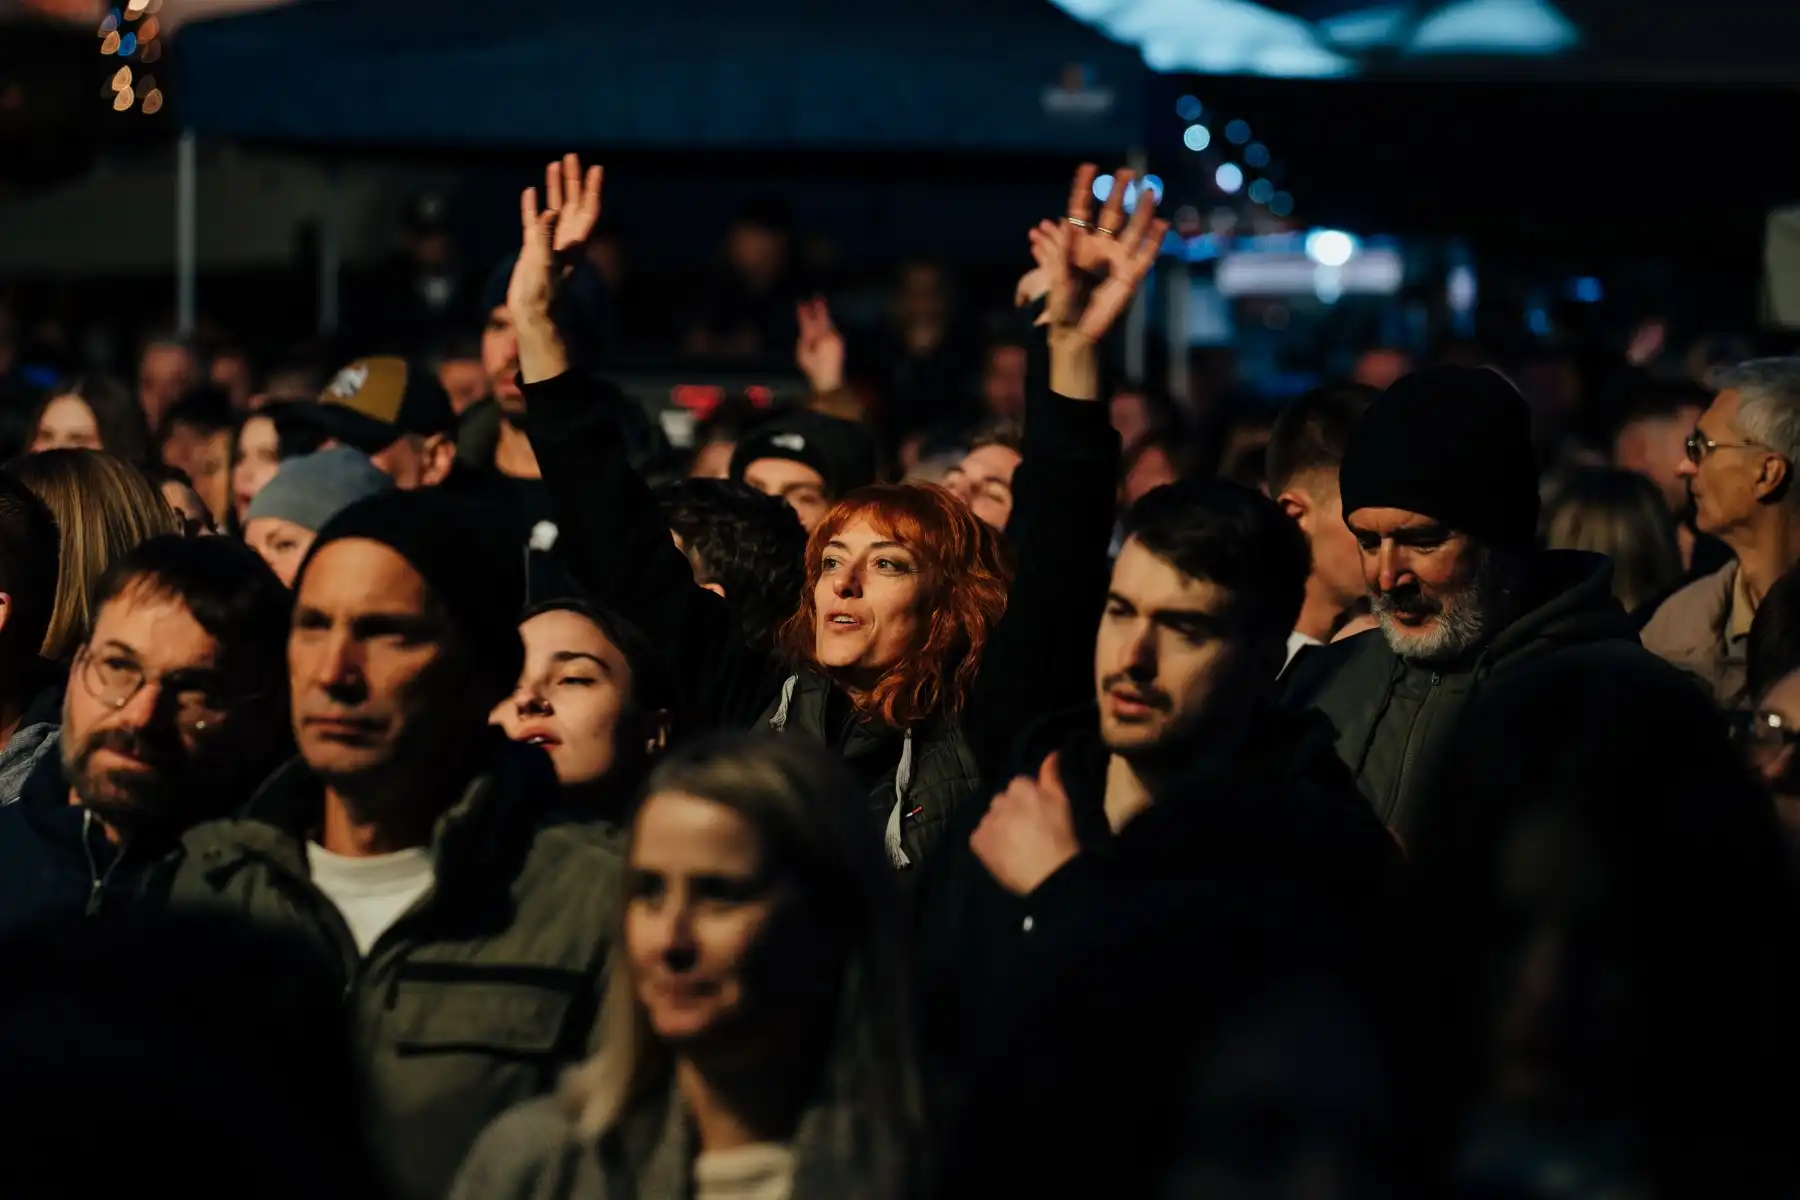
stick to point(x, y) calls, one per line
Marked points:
point(1466, 620)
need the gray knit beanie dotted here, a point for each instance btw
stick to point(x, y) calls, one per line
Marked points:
point(310, 489)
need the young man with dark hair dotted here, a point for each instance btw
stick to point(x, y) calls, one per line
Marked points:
point(175, 710)
point(1652, 440)
point(1306, 447)
point(747, 547)
point(28, 564)
point(983, 479)
point(1183, 783)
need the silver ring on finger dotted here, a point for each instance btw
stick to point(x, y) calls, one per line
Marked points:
point(1105, 232)
point(1078, 223)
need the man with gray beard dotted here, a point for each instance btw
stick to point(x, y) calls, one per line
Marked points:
point(1439, 487)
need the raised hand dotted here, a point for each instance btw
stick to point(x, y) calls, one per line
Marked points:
point(529, 291)
point(819, 352)
point(575, 201)
point(1092, 268)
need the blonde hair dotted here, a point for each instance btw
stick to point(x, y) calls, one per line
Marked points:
point(1619, 514)
point(104, 507)
point(805, 807)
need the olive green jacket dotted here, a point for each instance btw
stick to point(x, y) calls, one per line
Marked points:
point(480, 993)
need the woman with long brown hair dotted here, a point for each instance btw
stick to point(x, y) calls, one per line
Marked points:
point(754, 1037)
point(897, 657)
point(91, 413)
point(104, 507)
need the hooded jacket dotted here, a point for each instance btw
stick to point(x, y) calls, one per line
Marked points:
point(481, 992)
point(1394, 718)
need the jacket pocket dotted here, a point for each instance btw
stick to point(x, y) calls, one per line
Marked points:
point(505, 1011)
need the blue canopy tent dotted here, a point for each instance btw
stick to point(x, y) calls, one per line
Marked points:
point(972, 76)
point(977, 75)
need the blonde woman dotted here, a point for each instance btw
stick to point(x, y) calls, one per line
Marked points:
point(753, 1041)
point(1622, 515)
point(103, 506)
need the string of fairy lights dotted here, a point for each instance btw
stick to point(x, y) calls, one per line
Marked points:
point(133, 33)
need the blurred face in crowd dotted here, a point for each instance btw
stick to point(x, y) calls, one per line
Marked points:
point(204, 456)
point(67, 424)
point(147, 712)
point(191, 513)
point(983, 481)
point(1003, 381)
point(258, 458)
point(281, 543)
point(1656, 448)
point(1148, 471)
point(1316, 505)
point(1130, 414)
point(757, 254)
point(1170, 656)
point(1733, 476)
point(1561, 985)
point(500, 361)
point(572, 696)
point(713, 461)
point(921, 300)
point(1380, 368)
point(415, 462)
point(231, 374)
point(164, 373)
point(1433, 590)
point(466, 381)
point(378, 677)
point(801, 486)
point(867, 600)
point(1770, 744)
point(715, 933)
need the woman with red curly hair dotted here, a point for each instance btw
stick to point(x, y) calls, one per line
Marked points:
point(914, 651)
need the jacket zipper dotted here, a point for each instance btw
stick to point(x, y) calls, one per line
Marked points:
point(97, 878)
point(1412, 743)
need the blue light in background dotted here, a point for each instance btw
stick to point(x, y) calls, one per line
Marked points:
point(128, 45)
point(1257, 155)
point(1188, 108)
point(1238, 132)
point(1196, 137)
point(1281, 204)
point(1262, 191)
point(1102, 187)
point(1155, 184)
point(1539, 321)
point(1586, 289)
point(1229, 177)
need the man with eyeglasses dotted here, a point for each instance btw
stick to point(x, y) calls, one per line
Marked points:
point(175, 710)
point(1740, 471)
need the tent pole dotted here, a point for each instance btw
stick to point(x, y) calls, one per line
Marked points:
point(1137, 321)
point(186, 252)
point(331, 254)
point(1176, 292)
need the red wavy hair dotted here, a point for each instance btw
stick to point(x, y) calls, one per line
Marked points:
point(965, 568)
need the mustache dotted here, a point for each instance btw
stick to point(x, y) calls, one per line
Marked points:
point(123, 741)
point(1409, 600)
point(1145, 692)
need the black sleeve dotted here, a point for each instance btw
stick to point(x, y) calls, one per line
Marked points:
point(617, 545)
point(1040, 658)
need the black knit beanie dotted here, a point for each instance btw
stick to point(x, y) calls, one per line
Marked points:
point(842, 452)
point(461, 551)
point(1450, 443)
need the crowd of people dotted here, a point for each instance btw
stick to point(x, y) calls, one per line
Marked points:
point(416, 795)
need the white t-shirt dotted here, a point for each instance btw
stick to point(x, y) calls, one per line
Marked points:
point(760, 1171)
point(372, 892)
point(1297, 642)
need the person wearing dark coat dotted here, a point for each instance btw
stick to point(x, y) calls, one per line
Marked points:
point(176, 707)
point(1440, 489)
point(922, 696)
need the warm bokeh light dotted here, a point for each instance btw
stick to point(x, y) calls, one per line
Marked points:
point(124, 100)
point(152, 52)
point(121, 78)
point(111, 44)
point(153, 100)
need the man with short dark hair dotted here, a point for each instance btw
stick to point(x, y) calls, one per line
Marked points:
point(408, 841)
point(1652, 441)
point(29, 552)
point(808, 459)
point(1439, 485)
point(747, 547)
point(1306, 448)
point(983, 479)
point(174, 711)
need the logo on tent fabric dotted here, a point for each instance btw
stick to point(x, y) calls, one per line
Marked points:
point(349, 381)
point(793, 443)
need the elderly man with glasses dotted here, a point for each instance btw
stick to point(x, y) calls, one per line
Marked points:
point(175, 710)
point(1740, 471)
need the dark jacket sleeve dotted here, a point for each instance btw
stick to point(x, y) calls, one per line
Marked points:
point(617, 545)
point(1040, 658)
